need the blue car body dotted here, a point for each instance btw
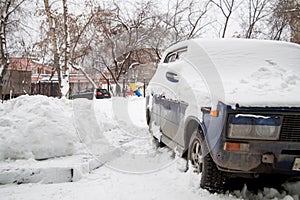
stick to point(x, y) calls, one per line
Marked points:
point(242, 96)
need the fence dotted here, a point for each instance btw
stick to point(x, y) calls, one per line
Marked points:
point(50, 89)
point(127, 87)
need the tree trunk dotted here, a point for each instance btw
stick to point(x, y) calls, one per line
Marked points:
point(295, 29)
point(3, 51)
point(65, 87)
point(225, 26)
point(56, 57)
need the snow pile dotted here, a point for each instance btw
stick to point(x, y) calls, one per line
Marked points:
point(256, 72)
point(36, 127)
point(272, 78)
point(270, 193)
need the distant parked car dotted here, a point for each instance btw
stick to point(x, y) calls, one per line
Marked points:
point(102, 93)
point(89, 93)
point(231, 107)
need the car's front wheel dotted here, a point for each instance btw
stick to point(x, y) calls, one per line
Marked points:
point(212, 178)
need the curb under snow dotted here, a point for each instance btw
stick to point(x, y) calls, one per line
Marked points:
point(56, 170)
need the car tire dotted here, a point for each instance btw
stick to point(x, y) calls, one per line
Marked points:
point(212, 179)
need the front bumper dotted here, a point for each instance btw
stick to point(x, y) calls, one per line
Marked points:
point(261, 157)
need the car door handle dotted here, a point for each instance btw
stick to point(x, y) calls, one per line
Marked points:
point(172, 77)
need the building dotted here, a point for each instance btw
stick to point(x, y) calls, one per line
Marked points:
point(26, 76)
point(17, 79)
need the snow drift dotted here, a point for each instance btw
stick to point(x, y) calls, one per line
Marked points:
point(25, 132)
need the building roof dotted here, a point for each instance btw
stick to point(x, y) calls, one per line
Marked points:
point(25, 64)
point(20, 64)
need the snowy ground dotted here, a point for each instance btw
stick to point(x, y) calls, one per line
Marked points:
point(113, 135)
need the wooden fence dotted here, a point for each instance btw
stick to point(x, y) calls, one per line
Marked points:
point(50, 89)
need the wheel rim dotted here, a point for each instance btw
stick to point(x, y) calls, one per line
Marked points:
point(196, 156)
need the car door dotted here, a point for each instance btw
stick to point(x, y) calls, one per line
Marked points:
point(170, 104)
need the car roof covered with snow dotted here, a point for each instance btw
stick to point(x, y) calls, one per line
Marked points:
point(245, 71)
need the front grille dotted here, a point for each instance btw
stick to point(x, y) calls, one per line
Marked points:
point(290, 129)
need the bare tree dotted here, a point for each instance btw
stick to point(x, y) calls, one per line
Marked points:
point(174, 18)
point(65, 68)
point(295, 21)
point(278, 20)
point(257, 11)
point(53, 39)
point(286, 15)
point(226, 7)
point(184, 19)
point(120, 34)
point(7, 9)
point(292, 10)
point(195, 18)
point(65, 32)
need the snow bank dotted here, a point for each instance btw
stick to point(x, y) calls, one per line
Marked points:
point(55, 170)
point(36, 127)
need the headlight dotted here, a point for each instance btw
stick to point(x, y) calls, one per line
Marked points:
point(261, 127)
point(266, 131)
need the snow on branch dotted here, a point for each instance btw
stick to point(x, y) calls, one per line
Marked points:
point(77, 67)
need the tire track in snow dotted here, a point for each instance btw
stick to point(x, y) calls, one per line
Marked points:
point(110, 135)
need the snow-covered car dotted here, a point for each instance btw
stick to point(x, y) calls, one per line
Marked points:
point(231, 106)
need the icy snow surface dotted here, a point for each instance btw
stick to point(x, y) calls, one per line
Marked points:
point(114, 131)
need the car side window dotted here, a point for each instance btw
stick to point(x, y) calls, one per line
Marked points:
point(181, 54)
point(171, 57)
point(175, 55)
point(104, 91)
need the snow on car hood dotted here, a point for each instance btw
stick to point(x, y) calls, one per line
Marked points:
point(249, 72)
